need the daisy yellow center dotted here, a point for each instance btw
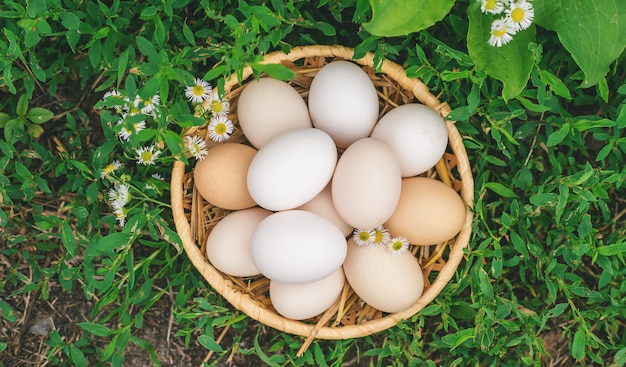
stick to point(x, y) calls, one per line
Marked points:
point(146, 156)
point(396, 246)
point(499, 32)
point(197, 90)
point(517, 15)
point(490, 4)
point(216, 106)
point(109, 168)
point(136, 126)
point(220, 129)
point(379, 236)
point(134, 110)
point(364, 236)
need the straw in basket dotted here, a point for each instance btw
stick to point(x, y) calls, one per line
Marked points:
point(348, 317)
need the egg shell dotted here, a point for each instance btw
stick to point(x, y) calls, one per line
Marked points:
point(390, 283)
point(428, 212)
point(416, 134)
point(221, 177)
point(323, 205)
point(291, 168)
point(343, 102)
point(366, 184)
point(303, 301)
point(228, 243)
point(268, 107)
point(296, 247)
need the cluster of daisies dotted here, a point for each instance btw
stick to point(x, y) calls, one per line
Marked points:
point(517, 16)
point(135, 114)
point(379, 236)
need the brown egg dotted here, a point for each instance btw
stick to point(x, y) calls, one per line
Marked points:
point(221, 177)
point(428, 212)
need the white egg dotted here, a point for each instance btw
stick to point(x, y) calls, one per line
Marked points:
point(323, 205)
point(268, 107)
point(343, 102)
point(417, 135)
point(367, 183)
point(296, 247)
point(291, 168)
point(303, 301)
point(228, 244)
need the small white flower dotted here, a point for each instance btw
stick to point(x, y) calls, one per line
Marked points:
point(119, 196)
point(197, 146)
point(491, 6)
point(397, 245)
point(120, 216)
point(110, 168)
point(125, 132)
point(502, 31)
point(521, 14)
point(149, 187)
point(147, 155)
point(158, 177)
point(147, 106)
point(112, 93)
point(218, 105)
point(220, 128)
point(363, 237)
point(198, 92)
point(381, 236)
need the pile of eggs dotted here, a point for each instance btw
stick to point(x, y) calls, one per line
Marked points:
point(317, 171)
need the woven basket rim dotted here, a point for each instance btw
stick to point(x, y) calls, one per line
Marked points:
point(319, 330)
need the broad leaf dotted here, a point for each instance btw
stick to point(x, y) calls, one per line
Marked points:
point(401, 17)
point(594, 32)
point(511, 63)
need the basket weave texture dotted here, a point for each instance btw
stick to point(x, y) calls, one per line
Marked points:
point(349, 317)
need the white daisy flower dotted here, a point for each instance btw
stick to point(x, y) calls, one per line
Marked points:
point(112, 93)
point(521, 14)
point(502, 32)
point(197, 146)
point(147, 155)
point(119, 196)
point(110, 168)
point(218, 105)
point(363, 237)
point(381, 236)
point(397, 245)
point(125, 132)
point(198, 92)
point(491, 6)
point(158, 177)
point(120, 216)
point(147, 106)
point(220, 128)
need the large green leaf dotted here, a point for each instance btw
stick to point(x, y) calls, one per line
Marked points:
point(594, 32)
point(511, 63)
point(401, 17)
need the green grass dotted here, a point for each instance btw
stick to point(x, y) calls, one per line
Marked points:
point(543, 277)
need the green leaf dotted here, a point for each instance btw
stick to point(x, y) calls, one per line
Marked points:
point(209, 343)
point(67, 237)
point(39, 115)
point(7, 312)
point(401, 17)
point(511, 64)
point(4, 118)
point(146, 47)
point(500, 189)
point(458, 338)
point(611, 250)
point(593, 32)
point(96, 329)
point(578, 344)
point(558, 136)
point(22, 105)
point(556, 85)
point(278, 71)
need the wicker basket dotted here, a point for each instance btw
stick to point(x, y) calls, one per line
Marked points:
point(349, 317)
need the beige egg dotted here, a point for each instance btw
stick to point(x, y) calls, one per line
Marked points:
point(390, 283)
point(323, 205)
point(366, 184)
point(303, 301)
point(428, 212)
point(268, 107)
point(228, 244)
point(221, 177)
